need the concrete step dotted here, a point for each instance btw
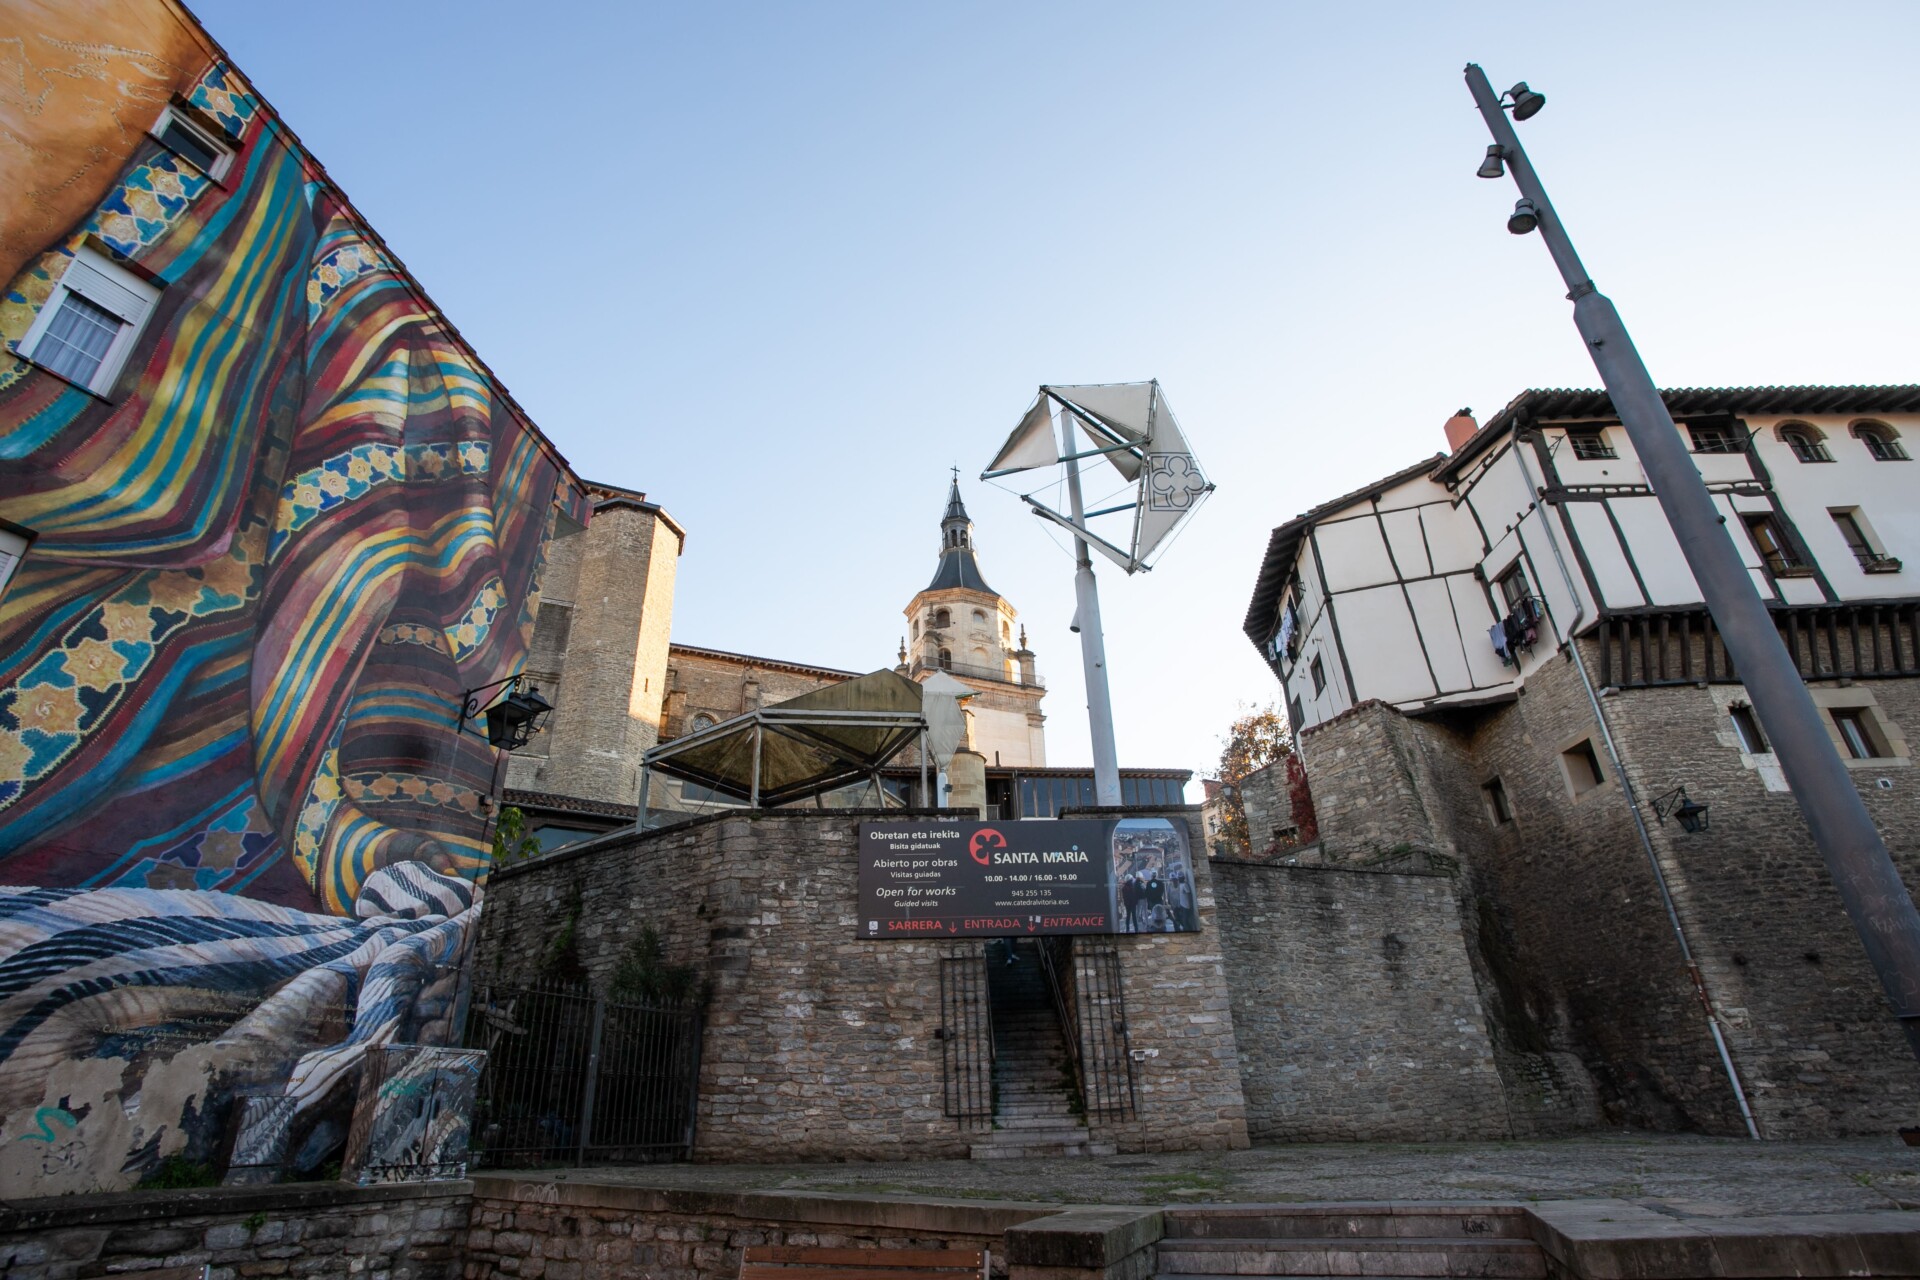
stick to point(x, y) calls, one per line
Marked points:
point(1371, 1221)
point(1495, 1259)
point(1037, 1150)
point(1062, 1120)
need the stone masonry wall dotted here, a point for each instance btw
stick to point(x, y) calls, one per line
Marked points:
point(581, 1231)
point(723, 687)
point(1570, 936)
point(1355, 1006)
point(1808, 1025)
point(612, 664)
point(819, 1044)
point(319, 1229)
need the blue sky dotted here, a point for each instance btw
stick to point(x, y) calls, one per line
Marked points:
point(781, 265)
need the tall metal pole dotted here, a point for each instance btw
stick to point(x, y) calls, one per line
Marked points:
point(1870, 887)
point(1093, 645)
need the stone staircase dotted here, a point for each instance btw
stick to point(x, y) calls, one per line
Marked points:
point(1033, 1091)
point(1396, 1239)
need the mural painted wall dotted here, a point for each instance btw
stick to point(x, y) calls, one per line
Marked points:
point(240, 837)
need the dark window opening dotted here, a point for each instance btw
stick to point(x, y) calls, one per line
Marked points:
point(1514, 590)
point(191, 145)
point(1591, 445)
point(946, 659)
point(1881, 443)
point(1718, 438)
point(1583, 767)
point(1806, 445)
point(1297, 714)
point(1497, 802)
point(1319, 674)
point(1769, 534)
point(1746, 726)
point(1857, 732)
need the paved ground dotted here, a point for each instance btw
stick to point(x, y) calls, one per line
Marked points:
point(1677, 1175)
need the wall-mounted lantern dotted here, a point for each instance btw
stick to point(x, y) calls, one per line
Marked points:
point(1691, 816)
point(513, 720)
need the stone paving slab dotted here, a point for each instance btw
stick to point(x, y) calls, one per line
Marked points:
point(1679, 1177)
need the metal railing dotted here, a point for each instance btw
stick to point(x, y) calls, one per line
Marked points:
point(573, 1077)
point(1106, 1055)
point(1064, 1000)
point(966, 1037)
point(979, 673)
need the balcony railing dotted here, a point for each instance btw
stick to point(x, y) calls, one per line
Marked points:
point(972, 672)
point(1877, 561)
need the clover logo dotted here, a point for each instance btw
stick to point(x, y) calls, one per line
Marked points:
point(1174, 483)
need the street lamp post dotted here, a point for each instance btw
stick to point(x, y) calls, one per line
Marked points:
point(1875, 897)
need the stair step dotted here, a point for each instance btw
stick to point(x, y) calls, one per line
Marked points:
point(1059, 1122)
point(1040, 1150)
point(1379, 1256)
point(1272, 1222)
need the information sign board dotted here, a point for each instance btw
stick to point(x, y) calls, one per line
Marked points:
point(992, 879)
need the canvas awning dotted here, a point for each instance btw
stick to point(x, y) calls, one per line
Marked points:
point(798, 748)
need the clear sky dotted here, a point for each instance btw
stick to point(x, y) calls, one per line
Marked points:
point(780, 265)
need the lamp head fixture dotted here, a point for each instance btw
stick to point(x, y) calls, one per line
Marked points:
point(1524, 218)
point(1495, 165)
point(1690, 814)
point(1525, 103)
point(513, 720)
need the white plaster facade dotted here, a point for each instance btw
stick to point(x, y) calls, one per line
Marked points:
point(1393, 590)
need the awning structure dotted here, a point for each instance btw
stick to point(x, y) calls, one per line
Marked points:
point(799, 748)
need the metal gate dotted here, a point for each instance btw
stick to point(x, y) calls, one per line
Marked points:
point(572, 1077)
point(966, 1037)
point(1100, 1012)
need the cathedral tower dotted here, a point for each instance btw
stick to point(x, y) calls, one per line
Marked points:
point(960, 625)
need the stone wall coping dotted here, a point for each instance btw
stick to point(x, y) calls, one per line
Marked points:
point(1085, 1237)
point(1347, 867)
point(1618, 1240)
point(913, 1214)
point(51, 1213)
point(627, 838)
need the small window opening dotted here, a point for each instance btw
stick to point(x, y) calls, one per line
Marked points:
point(1514, 590)
point(1319, 674)
point(192, 143)
point(1297, 714)
point(1590, 444)
point(1770, 539)
point(1857, 732)
point(1882, 444)
point(1746, 727)
point(88, 325)
point(946, 659)
point(1582, 764)
point(1497, 803)
point(1717, 438)
point(941, 618)
point(1853, 527)
point(1806, 443)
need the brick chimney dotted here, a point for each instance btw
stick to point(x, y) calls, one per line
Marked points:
point(1460, 427)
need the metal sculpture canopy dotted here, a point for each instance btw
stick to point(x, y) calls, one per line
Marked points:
point(1132, 426)
point(798, 748)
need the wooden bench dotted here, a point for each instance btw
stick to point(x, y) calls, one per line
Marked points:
point(781, 1262)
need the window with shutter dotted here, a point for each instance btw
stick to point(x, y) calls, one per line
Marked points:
point(89, 322)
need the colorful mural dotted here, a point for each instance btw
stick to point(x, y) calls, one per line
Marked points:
point(266, 564)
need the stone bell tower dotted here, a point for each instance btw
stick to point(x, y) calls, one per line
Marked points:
point(960, 625)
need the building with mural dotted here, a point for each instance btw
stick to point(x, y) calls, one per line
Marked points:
point(272, 517)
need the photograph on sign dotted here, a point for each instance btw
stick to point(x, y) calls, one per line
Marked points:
point(979, 879)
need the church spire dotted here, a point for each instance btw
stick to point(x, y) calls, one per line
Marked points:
point(957, 568)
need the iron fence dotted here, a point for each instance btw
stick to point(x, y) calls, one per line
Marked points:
point(1106, 1058)
point(966, 1036)
point(575, 1078)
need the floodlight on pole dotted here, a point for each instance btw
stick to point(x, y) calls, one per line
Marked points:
point(1494, 166)
point(1870, 886)
point(1132, 427)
